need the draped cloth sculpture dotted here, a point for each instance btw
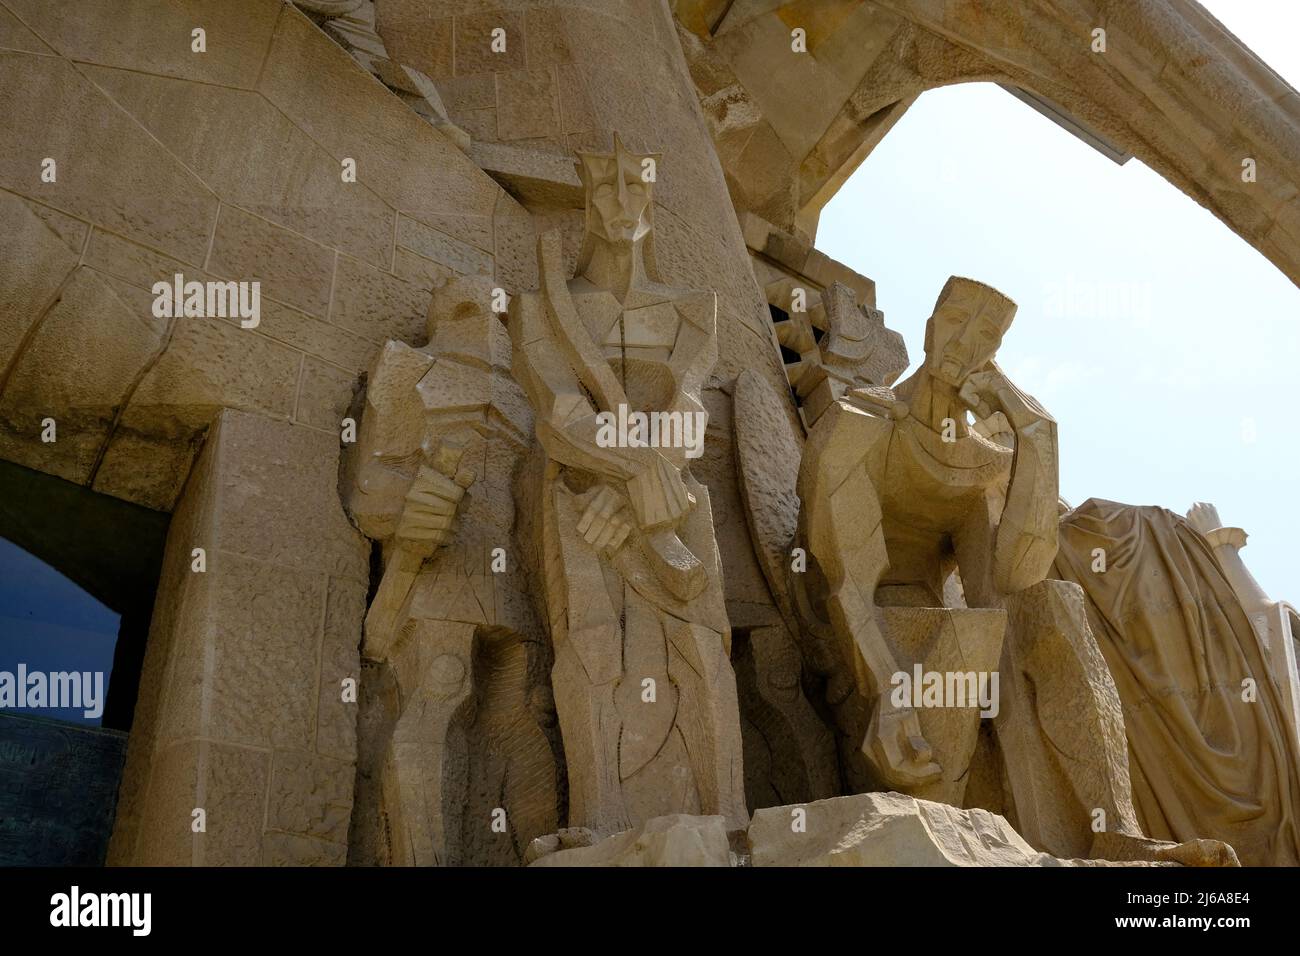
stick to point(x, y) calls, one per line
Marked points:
point(622, 533)
point(1207, 756)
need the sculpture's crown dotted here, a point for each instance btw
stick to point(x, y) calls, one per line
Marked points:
point(596, 168)
point(976, 298)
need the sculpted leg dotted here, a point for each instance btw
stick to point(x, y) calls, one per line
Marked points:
point(842, 528)
point(1062, 734)
point(791, 742)
point(413, 786)
point(708, 718)
point(973, 546)
point(511, 765)
point(646, 697)
point(588, 669)
point(590, 724)
point(1059, 724)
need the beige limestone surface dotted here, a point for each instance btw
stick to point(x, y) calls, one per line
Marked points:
point(1173, 87)
point(643, 684)
point(1209, 729)
point(872, 829)
point(525, 584)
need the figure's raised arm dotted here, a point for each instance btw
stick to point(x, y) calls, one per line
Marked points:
point(1027, 530)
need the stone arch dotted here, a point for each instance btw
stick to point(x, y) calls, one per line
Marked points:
point(1173, 87)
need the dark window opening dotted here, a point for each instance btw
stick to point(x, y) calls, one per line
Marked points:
point(50, 625)
point(78, 575)
point(788, 355)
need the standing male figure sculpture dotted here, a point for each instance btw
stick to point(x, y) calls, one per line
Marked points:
point(623, 534)
point(459, 755)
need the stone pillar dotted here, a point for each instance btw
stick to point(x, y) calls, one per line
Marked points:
point(241, 711)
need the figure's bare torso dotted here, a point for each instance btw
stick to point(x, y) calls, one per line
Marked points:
point(636, 337)
point(930, 490)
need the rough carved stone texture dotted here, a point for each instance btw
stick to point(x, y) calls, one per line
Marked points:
point(591, 67)
point(897, 493)
point(615, 66)
point(1275, 623)
point(1065, 763)
point(789, 751)
point(889, 829)
point(1210, 754)
point(223, 166)
point(627, 555)
point(253, 191)
point(461, 764)
point(797, 758)
point(871, 829)
point(789, 137)
point(352, 25)
point(856, 351)
point(676, 840)
point(948, 642)
point(769, 447)
point(778, 255)
point(241, 711)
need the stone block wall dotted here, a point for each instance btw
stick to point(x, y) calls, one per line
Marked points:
point(227, 165)
point(571, 74)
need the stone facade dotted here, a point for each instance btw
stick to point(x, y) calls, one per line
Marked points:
point(241, 713)
point(416, 610)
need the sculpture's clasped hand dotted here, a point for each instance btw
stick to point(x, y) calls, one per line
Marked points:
point(988, 393)
point(897, 749)
point(980, 392)
point(428, 518)
point(603, 525)
point(658, 493)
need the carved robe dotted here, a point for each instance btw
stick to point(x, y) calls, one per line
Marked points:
point(1203, 761)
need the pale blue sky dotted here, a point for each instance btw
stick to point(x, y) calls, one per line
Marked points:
point(1167, 349)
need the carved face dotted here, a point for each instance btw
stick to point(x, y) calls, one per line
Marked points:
point(618, 195)
point(966, 330)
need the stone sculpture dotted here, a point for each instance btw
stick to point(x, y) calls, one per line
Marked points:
point(1198, 654)
point(927, 542)
point(342, 160)
point(1276, 623)
point(900, 493)
point(841, 345)
point(455, 696)
point(351, 24)
point(622, 532)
